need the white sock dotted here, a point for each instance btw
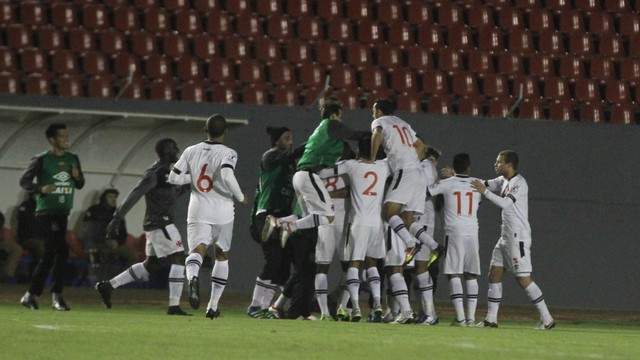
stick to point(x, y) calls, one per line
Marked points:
point(136, 272)
point(321, 293)
point(259, 291)
point(311, 221)
point(373, 278)
point(353, 283)
point(281, 302)
point(219, 276)
point(494, 297)
point(472, 298)
point(288, 218)
point(425, 287)
point(535, 294)
point(400, 291)
point(398, 226)
point(176, 283)
point(455, 294)
point(421, 233)
point(267, 296)
point(193, 263)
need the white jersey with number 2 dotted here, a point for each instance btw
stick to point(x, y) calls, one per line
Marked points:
point(397, 141)
point(211, 200)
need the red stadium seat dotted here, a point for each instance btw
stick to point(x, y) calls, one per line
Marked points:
point(207, 6)
point(251, 72)
point(481, 62)
point(558, 5)
point(37, 84)
point(311, 75)
point(499, 4)
point(587, 91)
point(581, 44)
point(19, 36)
point(64, 16)
point(450, 13)
point(249, 25)
point(219, 25)
point(404, 80)
point(490, 39)
point(194, 90)
point(64, 62)
point(634, 46)
point(435, 83)
point(298, 52)
point(50, 38)
point(350, 99)
point(520, 41)
point(255, 95)
point(611, 45)
point(8, 61)
point(156, 20)
point(439, 105)
point(389, 11)
point(267, 50)
point(465, 84)
point(510, 18)
point(99, 87)
point(572, 67)
point(328, 53)
point(591, 113)
point(370, 33)
point(81, 40)
point(588, 6)
point(500, 107)
point(410, 102)
point(601, 22)
point(162, 89)
point(125, 19)
point(310, 29)
point(419, 59)
point(629, 24)
point(187, 22)
point(617, 92)
point(358, 10)
point(281, 73)
point(562, 111)
point(283, 95)
point(175, 5)
point(418, 13)
point(9, 83)
point(481, 16)
point(69, 86)
point(144, 4)
point(630, 71)
point(495, 86)
point(175, 45)
point(123, 63)
point(389, 57)
point(220, 71)
point(144, 43)
point(95, 17)
point(238, 7)
point(339, 31)
point(430, 36)
point(550, 42)
point(529, 85)
point(510, 64)
point(400, 34)
point(358, 55)
point(556, 89)
point(373, 79)
point(157, 66)
point(279, 28)
point(470, 106)
point(32, 14)
point(268, 7)
point(33, 60)
point(540, 19)
point(205, 46)
point(329, 9)
point(571, 21)
point(602, 69)
point(7, 15)
point(623, 114)
point(343, 77)
point(617, 6)
point(450, 60)
point(112, 42)
point(531, 110)
point(188, 68)
point(298, 8)
point(237, 49)
point(460, 37)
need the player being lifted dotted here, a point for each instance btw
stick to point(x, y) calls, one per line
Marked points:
point(209, 167)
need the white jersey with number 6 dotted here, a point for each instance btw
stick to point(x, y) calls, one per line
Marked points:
point(211, 200)
point(460, 204)
point(397, 141)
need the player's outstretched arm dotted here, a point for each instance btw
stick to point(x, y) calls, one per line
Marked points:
point(502, 202)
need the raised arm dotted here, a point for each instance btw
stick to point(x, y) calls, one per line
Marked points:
point(376, 139)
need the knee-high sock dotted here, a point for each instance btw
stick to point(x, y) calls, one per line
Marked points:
point(135, 272)
point(373, 278)
point(321, 293)
point(219, 276)
point(176, 283)
point(281, 302)
point(425, 287)
point(455, 294)
point(267, 296)
point(259, 291)
point(400, 291)
point(353, 283)
point(535, 294)
point(345, 295)
point(193, 263)
point(311, 221)
point(494, 297)
point(472, 298)
point(420, 232)
point(398, 226)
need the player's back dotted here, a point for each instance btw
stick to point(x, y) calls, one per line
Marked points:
point(460, 204)
point(397, 141)
point(367, 191)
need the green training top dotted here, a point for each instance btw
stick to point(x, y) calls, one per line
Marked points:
point(56, 170)
point(321, 150)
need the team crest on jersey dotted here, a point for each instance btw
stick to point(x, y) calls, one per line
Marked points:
point(62, 176)
point(513, 190)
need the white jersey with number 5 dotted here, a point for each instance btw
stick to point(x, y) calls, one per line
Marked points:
point(211, 200)
point(397, 141)
point(460, 204)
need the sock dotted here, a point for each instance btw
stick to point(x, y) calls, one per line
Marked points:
point(455, 294)
point(281, 302)
point(472, 298)
point(321, 293)
point(259, 291)
point(219, 276)
point(400, 291)
point(398, 226)
point(288, 218)
point(353, 283)
point(421, 233)
point(135, 272)
point(535, 294)
point(176, 282)
point(425, 288)
point(310, 221)
point(494, 297)
point(267, 296)
point(373, 278)
point(193, 263)
point(55, 296)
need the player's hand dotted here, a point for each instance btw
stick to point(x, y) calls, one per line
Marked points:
point(478, 186)
point(447, 172)
point(75, 172)
point(245, 201)
point(113, 229)
point(46, 189)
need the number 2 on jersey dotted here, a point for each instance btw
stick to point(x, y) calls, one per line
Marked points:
point(405, 136)
point(458, 195)
point(205, 182)
point(375, 181)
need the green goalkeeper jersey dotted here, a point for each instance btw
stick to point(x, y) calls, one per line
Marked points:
point(275, 191)
point(322, 150)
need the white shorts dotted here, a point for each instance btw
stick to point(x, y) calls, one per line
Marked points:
point(210, 234)
point(395, 248)
point(409, 188)
point(514, 255)
point(312, 195)
point(425, 253)
point(328, 244)
point(462, 254)
point(364, 241)
point(163, 242)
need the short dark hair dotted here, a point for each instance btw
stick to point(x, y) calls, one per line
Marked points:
point(510, 157)
point(216, 125)
point(386, 106)
point(432, 152)
point(329, 108)
point(364, 146)
point(52, 129)
point(104, 194)
point(162, 144)
point(461, 162)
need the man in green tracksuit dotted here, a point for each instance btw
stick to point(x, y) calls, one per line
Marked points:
point(57, 174)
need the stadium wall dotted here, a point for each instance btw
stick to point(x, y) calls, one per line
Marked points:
point(583, 192)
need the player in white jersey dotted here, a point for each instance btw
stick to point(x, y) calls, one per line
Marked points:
point(513, 250)
point(364, 239)
point(209, 167)
point(407, 192)
point(461, 237)
point(426, 271)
